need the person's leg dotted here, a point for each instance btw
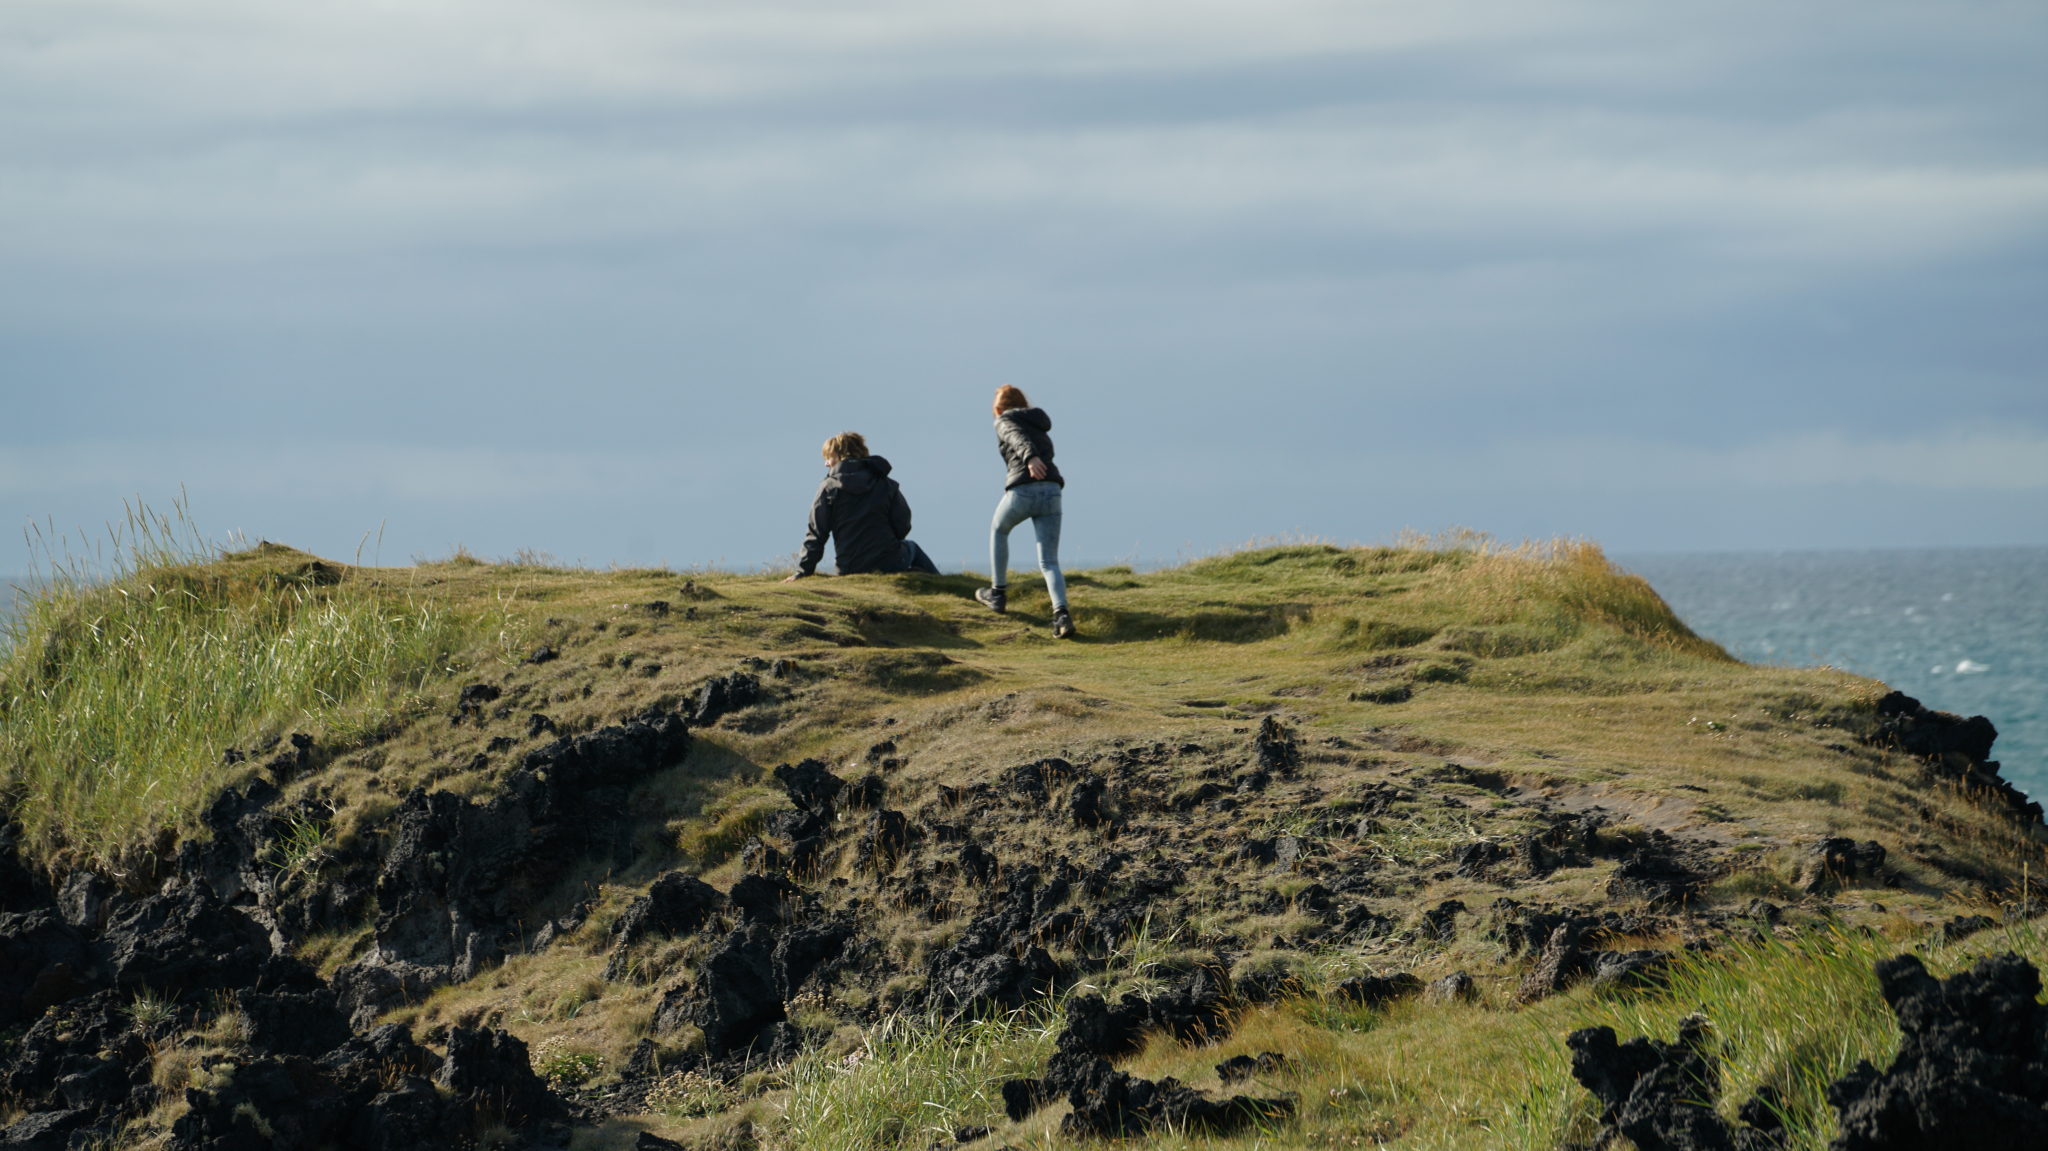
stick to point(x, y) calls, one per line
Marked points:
point(1045, 521)
point(1009, 513)
point(914, 559)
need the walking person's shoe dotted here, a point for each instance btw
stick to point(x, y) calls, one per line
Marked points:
point(1062, 625)
point(993, 597)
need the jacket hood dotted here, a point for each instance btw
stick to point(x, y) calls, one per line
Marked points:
point(1030, 418)
point(860, 475)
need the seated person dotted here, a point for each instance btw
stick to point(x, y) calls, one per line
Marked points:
point(864, 512)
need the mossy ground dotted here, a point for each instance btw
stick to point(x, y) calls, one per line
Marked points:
point(1514, 680)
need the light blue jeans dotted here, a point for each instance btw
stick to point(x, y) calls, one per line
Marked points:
point(1039, 503)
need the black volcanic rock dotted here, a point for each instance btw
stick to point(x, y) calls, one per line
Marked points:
point(764, 898)
point(1834, 860)
point(292, 1023)
point(1375, 989)
point(1095, 1028)
point(1660, 1095)
point(1917, 730)
point(675, 904)
point(735, 997)
point(995, 962)
point(1277, 751)
point(491, 1071)
point(1654, 874)
point(1107, 1103)
point(866, 793)
point(43, 962)
point(882, 838)
point(1239, 1068)
point(458, 877)
point(724, 695)
point(1972, 1067)
point(1085, 801)
point(182, 941)
point(810, 785)
point(806, 949)
point(1951, 748)
point(1440, 922)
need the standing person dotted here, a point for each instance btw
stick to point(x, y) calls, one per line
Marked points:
point(864, 512)
point(1031, 492)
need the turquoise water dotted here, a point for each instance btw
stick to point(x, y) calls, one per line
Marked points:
point(1960, 629)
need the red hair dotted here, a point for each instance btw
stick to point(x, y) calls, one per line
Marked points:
point(1008, 397)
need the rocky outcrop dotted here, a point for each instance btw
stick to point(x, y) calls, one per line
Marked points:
point(739, 996)
point(1457, 987)
point(1972, 1067)
point(1662, 874)
point(1952, 748)
point(1373, 990)
point(182, 940)
point(997, 962)
point(183, 960)
point(1971, 1071)
point(723, 695)
point(1660, 1096)
point(490, 1072)
point(458, 876)
point(1833, 862)
point(675, 904)
point(1109, 1103)
point(43, 962)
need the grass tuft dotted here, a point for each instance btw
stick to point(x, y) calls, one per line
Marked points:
point(911, 1084)
point(123, 683)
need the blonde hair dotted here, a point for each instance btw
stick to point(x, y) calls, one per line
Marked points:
point(845, 446)
point(1008, 397)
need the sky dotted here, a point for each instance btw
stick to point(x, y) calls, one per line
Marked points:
point(596, 279)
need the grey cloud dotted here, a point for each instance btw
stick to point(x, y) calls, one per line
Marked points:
point(608, 235)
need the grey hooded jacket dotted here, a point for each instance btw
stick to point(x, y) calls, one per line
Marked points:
point(1021, 435)
point(864, 512)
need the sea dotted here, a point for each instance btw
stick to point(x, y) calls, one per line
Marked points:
point(1960, 629)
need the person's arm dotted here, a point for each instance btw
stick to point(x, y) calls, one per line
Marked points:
point(815, 535)
point(899, 513)
point(1017, 444)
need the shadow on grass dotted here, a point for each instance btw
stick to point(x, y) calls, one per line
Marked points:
point(1210, 625)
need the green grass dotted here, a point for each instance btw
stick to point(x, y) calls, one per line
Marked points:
point(1792, 1014)
point(911, 1084)
point(1540, 667)
point(121, 689)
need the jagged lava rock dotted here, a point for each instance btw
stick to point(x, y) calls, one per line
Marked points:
point(723, 695)
point(1952, 747)
point(493, 1072)
point(1972, 1067)
point(43, 962)
point(675, 904)
point(458, 876)
point(1660, 1095)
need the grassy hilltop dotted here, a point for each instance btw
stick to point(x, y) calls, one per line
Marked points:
point(1461, 725)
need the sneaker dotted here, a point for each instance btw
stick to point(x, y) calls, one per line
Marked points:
point(1062, 625)
point(992, 596)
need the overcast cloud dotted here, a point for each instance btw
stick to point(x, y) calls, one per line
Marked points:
point(597, 278)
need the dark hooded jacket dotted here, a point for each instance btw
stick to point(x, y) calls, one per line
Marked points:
point(1021, 435)
point(864, 512)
